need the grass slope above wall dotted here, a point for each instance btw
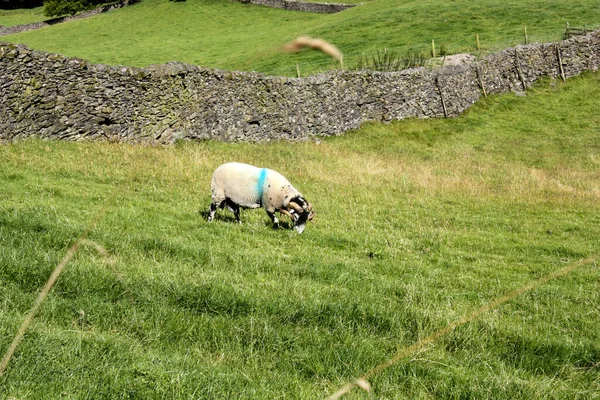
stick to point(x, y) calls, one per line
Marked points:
point(235, 36)
point(23, 16)
point(418, 223)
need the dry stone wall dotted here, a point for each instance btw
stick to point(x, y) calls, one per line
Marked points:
point(326, 8)
point(51, 96)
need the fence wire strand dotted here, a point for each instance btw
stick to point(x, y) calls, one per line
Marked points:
point(351, 59)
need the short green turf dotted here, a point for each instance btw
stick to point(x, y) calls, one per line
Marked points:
point(418, 223)
point(22, 16)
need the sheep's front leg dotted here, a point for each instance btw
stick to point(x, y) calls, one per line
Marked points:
point(273, 217)
point(211, 211)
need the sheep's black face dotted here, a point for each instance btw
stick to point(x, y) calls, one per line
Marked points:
point(300, 222)
point(303, 215)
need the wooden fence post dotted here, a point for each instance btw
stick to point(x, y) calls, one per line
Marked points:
point(480, 79)
point(560, 65)
point(519, 72)
point(437, 84)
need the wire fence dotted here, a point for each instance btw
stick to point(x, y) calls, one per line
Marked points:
point(430, 51)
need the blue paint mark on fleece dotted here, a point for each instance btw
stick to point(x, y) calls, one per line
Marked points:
point(261, 183)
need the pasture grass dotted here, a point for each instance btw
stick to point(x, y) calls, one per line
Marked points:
point(22, 16)
point(419, 222)
point(340, 1)
point(235, 36)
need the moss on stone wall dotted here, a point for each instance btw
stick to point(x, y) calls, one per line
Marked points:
point(52, 96)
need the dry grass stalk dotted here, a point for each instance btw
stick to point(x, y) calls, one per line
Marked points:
point(38, 302)
point(461, 321)
point(48, 287)
point(303, 42)
point(101, 250)
point(363, 384)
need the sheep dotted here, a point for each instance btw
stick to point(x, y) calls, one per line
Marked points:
point(238, 185)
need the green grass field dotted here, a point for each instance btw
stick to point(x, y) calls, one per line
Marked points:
point(25, 16)
point(230, 35)
point(418, 223)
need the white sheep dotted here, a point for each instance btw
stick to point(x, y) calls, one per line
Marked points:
point(238, 185)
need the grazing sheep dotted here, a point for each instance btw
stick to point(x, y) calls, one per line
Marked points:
point(238, 185)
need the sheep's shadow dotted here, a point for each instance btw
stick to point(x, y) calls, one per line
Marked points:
point(230, 218)
point(223, 216)
point(282, 224)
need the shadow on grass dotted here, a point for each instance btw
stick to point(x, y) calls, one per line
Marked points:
point(220, 215)
point(225, 216)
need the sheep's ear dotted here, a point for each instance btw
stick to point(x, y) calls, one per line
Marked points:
point(302, 201)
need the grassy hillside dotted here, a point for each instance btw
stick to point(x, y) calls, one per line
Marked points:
point(18, 17)
point(227, 35)
point(418, 223)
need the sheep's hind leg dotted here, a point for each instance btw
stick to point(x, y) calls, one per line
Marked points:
point(235, 209)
